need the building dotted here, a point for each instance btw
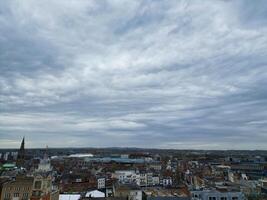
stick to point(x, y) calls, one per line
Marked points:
point(167, 181)
point(28, 188)
point(69, 196)
point(128, 191)
point(155, 180)
point(101, 183)
point(17, 189)
point(216, 195)
point(21, 155)
point(168, 198)
point(42, 188)
point(45, 165)
point(141, 178)
point(155, 165)
point(126, 176)
point(95, 194)
point(9, 166)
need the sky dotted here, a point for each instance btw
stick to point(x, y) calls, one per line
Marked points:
point(182, 74)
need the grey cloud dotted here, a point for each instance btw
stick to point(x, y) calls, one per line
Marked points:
point(176, 74)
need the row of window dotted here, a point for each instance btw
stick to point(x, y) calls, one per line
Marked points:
point(18, 188)
point(222, 198)
point(24, 198)
point(8, 195)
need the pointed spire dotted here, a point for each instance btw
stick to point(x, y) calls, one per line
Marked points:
point(46, 153)
point(21, 154)
point(22, 144)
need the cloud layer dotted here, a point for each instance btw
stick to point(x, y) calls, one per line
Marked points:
point(166, 74)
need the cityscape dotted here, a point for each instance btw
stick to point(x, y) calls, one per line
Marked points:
point(133, 100)
point(132, 174)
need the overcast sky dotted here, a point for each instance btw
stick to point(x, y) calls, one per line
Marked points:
point(138, 73)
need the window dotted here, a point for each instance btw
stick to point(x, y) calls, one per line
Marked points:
point(234, 198)
point(37, 193)
point(212, 198)
point(223, 198)
point(25, 194)
point(16, 194)
point(37, 184)
point(7, 195)
point(26, 188)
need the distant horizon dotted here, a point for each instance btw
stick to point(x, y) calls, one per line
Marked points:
point(144, 148)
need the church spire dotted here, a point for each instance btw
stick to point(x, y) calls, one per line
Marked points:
point(21, 154)
point(46, 153)
point(22, 145)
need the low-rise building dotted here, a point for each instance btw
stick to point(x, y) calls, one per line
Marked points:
point(101, 183)
point(131, 192)
point(216, 195)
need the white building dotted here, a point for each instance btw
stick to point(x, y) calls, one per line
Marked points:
point(167, 181)
point(95, 194)
point(6, 156)
point(101, 183)
point(135, 177)
point(69, 196)
point(125, 176)
point(155, 166)
point(156, 180)
point(143, 179)
point(149, 179)
point(44, 165)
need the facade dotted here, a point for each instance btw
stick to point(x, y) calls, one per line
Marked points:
point(42, 188)
point(101, 183)
point(155, 166)
point(142, 179)
point(19, 189)
point(45, 165)
point(130, 192)
point(216, 195)
point(54, 195)
point(125, 176)
point(29, 188)
point(155, 180)
point(167, 181)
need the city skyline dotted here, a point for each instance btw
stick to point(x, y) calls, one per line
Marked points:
point(148, 74)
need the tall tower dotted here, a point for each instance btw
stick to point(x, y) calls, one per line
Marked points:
point(21, 154)
point(46, 153)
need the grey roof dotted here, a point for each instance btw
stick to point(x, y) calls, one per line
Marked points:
point(168, 198)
